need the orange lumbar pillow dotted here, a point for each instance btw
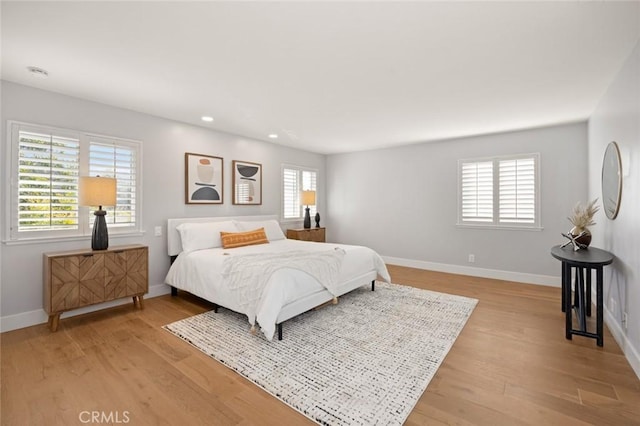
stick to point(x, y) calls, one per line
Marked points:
point(240, 239)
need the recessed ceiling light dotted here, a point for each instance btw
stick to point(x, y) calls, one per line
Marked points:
point(38, 72)
point(207, 118)
point(273, 136)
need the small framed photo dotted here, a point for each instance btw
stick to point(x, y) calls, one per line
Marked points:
point(203, 178)
point(247, 183)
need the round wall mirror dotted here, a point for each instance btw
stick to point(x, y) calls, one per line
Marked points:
point(611, 180)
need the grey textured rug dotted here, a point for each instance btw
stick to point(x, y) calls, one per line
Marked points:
point(366, 360)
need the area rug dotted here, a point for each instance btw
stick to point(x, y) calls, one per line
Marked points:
point(366, 360)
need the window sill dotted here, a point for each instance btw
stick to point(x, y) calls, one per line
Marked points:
point(289, 221)
point(535, 228)
point(41, 240)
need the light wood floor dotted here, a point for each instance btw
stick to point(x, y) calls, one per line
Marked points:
point(511, 365)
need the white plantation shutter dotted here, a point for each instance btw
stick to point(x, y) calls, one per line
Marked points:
point(294, 181)
point(518, 190)
point(501, 191)
point(290, 194)
point(477, 191)
point(47, 187)
point(116, 159)
point(46, 164)
point(309, 184)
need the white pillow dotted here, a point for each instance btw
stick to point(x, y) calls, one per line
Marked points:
point(204, 235)
point(271, 228)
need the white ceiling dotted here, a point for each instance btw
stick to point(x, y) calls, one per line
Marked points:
point(329, 76)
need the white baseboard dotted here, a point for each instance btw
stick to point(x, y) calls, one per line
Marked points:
point(22, 320)
point(39, 316)
point(631, 353)
point(521, 277)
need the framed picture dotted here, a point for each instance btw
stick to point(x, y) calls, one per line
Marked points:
point(203, 179)
point(247, 183)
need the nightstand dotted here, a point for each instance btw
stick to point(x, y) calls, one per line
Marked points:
point(311, 234)
point(73, 279)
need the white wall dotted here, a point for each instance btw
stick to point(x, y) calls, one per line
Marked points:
point(403, 203)
point(164, 145)
point(617, 118)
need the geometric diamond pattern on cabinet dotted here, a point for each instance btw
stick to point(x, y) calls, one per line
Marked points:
point(64, 276)
point(137, 271)
point(116, 275)
point(85, 277)
point(91, 279)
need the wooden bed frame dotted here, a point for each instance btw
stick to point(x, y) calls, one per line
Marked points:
point(295, 308)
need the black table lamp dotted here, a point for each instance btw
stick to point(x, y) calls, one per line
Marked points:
point(98, 191)
point(308, 199)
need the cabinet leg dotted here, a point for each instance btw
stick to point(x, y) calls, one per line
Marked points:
point(54, 320)
point(140, 303)
point(137, 302)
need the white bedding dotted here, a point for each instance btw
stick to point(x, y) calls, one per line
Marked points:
point(200, 273)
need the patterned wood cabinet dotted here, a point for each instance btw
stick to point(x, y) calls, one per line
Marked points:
point(311, 234)
point(79, 278)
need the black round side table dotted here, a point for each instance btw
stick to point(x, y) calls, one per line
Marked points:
point(583, 261)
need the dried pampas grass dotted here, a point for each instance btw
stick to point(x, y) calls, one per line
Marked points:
point(582, 216)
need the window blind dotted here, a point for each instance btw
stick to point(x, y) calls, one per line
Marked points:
point(309, 184)
point(115, 159)
point(291, 194)
point(477, 191)
point(517, 190)
point(294, 181)
point(48, 168)
point(500, 191)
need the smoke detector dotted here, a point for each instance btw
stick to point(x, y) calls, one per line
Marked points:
point(38, 72)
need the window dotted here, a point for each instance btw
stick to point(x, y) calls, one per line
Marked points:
point(294, 181)
point(501, 191)
point(117, 160)
point(46, 164)
point(47, 190)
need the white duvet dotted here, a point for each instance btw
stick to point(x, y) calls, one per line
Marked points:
point(200, 272)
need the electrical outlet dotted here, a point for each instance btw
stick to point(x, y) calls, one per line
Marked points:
point(472, 258)
point(624, 321)
point(613, 306)
point(157, 231)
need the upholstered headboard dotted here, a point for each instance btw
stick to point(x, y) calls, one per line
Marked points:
point(174, 245)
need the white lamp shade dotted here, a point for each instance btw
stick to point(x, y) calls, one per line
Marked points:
point(308, 198)
point(97, 191)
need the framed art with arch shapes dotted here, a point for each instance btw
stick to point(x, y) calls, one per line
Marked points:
point(247, 183)
point(203, 179)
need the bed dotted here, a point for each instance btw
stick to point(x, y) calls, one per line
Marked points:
point(201, 266)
